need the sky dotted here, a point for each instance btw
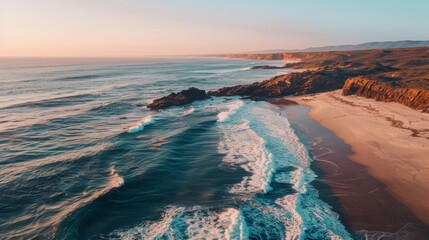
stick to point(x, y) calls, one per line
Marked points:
point(137, 28)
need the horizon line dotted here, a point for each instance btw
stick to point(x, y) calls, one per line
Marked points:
point(279, 50)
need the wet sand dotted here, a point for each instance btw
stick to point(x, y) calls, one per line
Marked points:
point(365, 204)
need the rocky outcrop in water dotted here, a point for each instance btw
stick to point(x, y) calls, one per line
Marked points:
point(177, 99)
point(414, 98)
point(266, 67)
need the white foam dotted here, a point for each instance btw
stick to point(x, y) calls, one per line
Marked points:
point(152, 230)
point(228, 224)
point(292, 152)
point(238, 229)
point(141, 125)
point(245, 68)
point(187, 111)
point(115, 180)
point(273, 221)
point(232, 108)
point(305, 208)
point(191, 223)
point(244, 148)
point(294, 223)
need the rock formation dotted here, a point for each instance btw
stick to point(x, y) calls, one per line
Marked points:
point(414, 98)
point(266, 67)
point(176, 99)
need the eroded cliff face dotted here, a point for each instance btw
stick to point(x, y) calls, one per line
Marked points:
point(361, 86)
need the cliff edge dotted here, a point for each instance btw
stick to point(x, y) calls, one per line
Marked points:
point(413, 98)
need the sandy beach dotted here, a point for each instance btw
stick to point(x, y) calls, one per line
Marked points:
point(390, 139)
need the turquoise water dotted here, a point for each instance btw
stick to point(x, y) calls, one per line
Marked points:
point(82, 158)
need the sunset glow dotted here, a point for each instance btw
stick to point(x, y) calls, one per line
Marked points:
point(110, 28)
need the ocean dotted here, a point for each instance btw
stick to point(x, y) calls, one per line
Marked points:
point(82, 158)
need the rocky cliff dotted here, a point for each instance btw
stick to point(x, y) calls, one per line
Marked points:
point(361, 86)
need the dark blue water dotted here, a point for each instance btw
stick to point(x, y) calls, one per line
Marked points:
point(82, 158)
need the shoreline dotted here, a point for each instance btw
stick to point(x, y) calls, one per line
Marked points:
point(392, 150)
point(363, 203)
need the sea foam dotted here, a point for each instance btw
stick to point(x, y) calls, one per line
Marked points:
point(306, 211)
point(141, 125)
point(187, 111)
point(190, 223)
point(115, 179)
point(232, 108)
point(263, 143)
point(244, 148)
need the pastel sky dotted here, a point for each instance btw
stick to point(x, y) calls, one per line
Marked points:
point(133, 28)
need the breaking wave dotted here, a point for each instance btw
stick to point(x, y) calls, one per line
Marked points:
point(190, 223)
point(187, 111)
point(141, 125)
point(313, 217)
point(264, 144)
point(244, 148)
point(232, 108)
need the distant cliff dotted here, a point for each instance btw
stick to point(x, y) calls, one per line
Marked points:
point(263, 56)
point(356, 47)
point(370, 45)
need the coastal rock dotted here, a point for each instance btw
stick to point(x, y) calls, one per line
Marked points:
point(264, 56)
point(297, 83)
point(266, 67)
point(361, 86)
point(177, 99)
